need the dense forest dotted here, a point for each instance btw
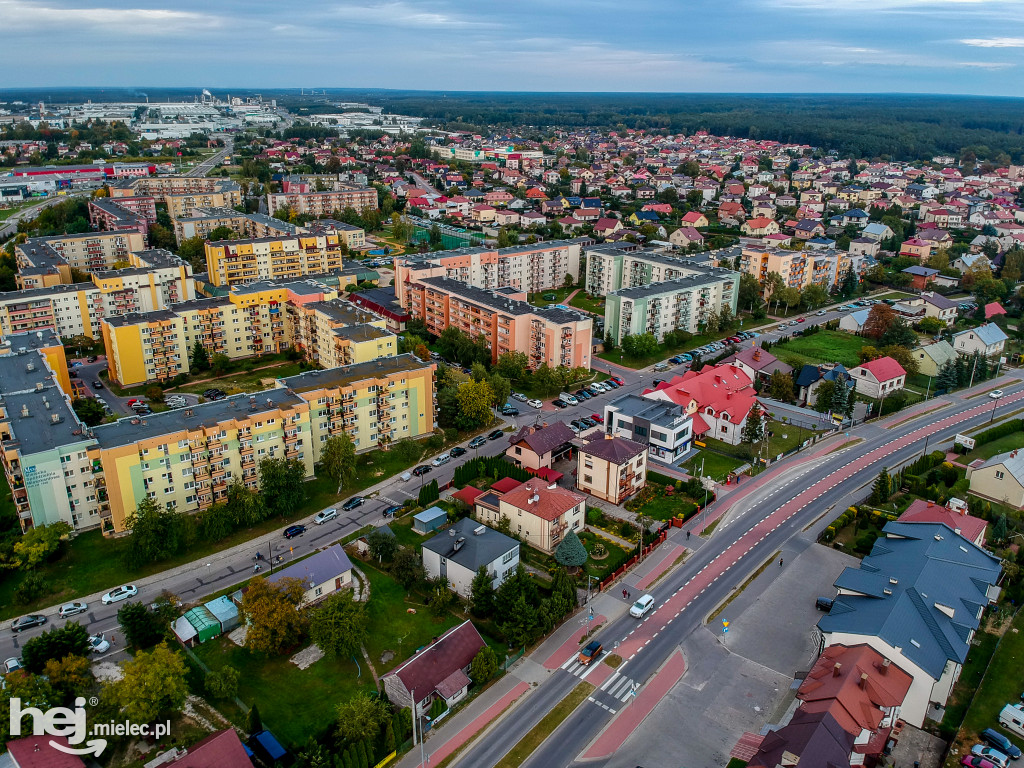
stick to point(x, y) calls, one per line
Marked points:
point(900, 127)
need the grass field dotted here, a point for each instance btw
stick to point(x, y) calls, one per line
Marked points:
point(245, 381)
point(6, 213)
point(581, 301)
point(1001, 445)
point(663, 507)
point(821, 347)
point(715, 464)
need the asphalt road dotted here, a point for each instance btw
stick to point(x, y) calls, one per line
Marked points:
point(753, 530)
point(214, 160)
point(10, 225)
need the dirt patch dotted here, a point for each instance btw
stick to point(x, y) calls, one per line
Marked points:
point(387, 657)
point(307, 657)
point(106, 671)
point(237, 635)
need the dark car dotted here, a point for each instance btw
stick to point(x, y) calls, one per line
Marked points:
point(590, 652)
point(824, 604)
point(676, 360)
point(582, 394)
point(97, 385)
point(27, 622)
point(588, 422)
point(612, 383)
point(458, 450)
point(496, 435)
point(92, 358)
point(208, 394)
point(509, 410)
point(1000, 742)
point(355, 501)
point(559, 403)
point(294, 530)
point(477, 441)
point(392, 511)
point(421, 470)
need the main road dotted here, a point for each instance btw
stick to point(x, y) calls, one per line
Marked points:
point(213, 160)
point(755, 527)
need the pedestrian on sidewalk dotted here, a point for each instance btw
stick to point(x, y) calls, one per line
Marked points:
point(780, 562)
point(624, 593)
point(687, 535)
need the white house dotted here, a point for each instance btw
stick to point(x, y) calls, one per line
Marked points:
point(665, 428)
point(877, 378)
point(987, 340)
point(457, 552)
point(323, 573)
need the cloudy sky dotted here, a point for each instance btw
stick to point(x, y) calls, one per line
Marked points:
point(922, 46)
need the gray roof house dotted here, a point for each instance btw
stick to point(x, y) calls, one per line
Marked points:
point(322, 574)
point(1000, 478)
point(987, 340)
point(463, 548)
point(917, 599)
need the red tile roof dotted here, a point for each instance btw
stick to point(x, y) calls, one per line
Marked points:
point(468, 494)
point(884, 368)
point(35, 752)
point(993, 309)
point(506, 484)
point(427, 669)
point(921, 511)
point(722, 388)
point(551, 503)
point(222, 749)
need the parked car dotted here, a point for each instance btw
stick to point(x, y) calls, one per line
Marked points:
point(12, 664)
point(477, 441)
point(821, 312)
point(565, 397)
point(559, 403)
point(393, 510)
point(641, 607)
point(597, 417)
point(324, 515)
point(617, 379)
point(441, 460)
point(294, 530)
point(92, 358)
point(597, 388)
point(590, 652)
point(457, 451)
point(824, 604)
point(535, 403)
point(973, 761)
point(662, 366)
point(995, 394)
point(98, 644)
point(97, 385)
point(582, 394)
point(613, 383)
point(27, 622)
point(496, 435)
point(518, 396)
point(992, 755)
point(122, 593)
point(72, 609)
point(996, 739)
point(421, 470)
point(675, 360)
point(577, 425)
point(355, 501)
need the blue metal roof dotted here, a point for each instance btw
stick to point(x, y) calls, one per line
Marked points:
point(916, 575)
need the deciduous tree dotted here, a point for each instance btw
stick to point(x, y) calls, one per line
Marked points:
point(484, 665)
point(272, 613)
point(878, 321)
point(152, 684)
point(338, 459)
point(362, 716)
point(475, 398)
point(339, 624)
point(69, 677)
point(60, 642)
point(40, 543)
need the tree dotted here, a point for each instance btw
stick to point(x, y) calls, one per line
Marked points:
point(155, 533)
point(898, 333)
point(711, 323)
point(222, 233)
point(482, 593)
point(882, 489)
point(773, 283)
point(60, 642)
point(200, 359)
point(152, 684)
point(219, 363)
point(69, 677)
point(338, 459)
point(142, 627)
point(89, 410)
point(878, 321)
point(362, 716)
point(903, 356)
point(754, 427)
point(544, 379)
point(281, 484)
point(570, 551)
point(40, 543)
point(788, 296)
point(850, 283)
point(520, 625)
point(338, 626)
point(440, 596)
point(999, 530)
point(272, 613)
point(814, 296)
point(31, 690)
point(253, 722)
point(512, 365)
point(193, 250)
point(407, 569)
point(475, 398)
point(823, 395)
point(841, 403)
point(484, 666)
point(382, 545)
point(749, 295)
point(780, 387)
point(931, 325)
point(222, 683)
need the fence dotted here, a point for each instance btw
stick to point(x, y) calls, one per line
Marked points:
point(510, 660)
point(647, 548)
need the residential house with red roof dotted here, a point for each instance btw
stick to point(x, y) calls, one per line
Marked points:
point(36, 752)
point(441, 670)
point(534, 447)
point(605, 227)
point(718, 399)
point(952, 515)
point(539, 511)
point(221, 749)
point(759, 227)
point(611, 468)
point(878, 378)
point(694, 219)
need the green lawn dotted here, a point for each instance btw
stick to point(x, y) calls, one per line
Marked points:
point(784, 438)
point(1000, 685)
point(663, 507)
point(1001, 445)
point(6, 213)
point(601, 568)
point(970, 679)
point(821, 347)
point(581, 301)
point(245, 381)
point(715, 464)
point(664, 352)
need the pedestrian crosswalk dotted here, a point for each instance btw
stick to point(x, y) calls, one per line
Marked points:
point(573, 667)
point(616, 688)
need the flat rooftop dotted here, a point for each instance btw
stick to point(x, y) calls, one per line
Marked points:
point(348, 375)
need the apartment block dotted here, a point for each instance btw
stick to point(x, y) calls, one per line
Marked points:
point(181, 194)
point(354, 237)
point(799, 269)
point(505, 320)
point(334, 332)
point(200, 222)
point(323, 203)
point(107, 216)
point(682, 303)
point(528, 268)
point(187, 458)
point(155, 279)
point(229, 262)
point(611, 268)
point(45, 261)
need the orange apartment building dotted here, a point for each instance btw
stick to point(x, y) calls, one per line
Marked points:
point(504, 318)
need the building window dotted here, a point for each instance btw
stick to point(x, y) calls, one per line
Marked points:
point(588, 479)
point(999, 475)
point(507, 557)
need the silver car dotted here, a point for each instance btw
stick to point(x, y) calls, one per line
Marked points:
point(72, 609)
point(324, 515)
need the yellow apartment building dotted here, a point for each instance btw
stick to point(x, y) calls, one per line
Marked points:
point(230, 262)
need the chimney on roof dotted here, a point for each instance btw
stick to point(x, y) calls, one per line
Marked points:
point(885, 666)
point(863, 679)
point(836, 669)
point(757, 354)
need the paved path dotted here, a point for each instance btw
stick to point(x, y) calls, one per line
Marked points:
point(464, 734)
point(565, 650)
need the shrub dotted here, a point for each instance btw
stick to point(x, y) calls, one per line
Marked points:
point(33, 586)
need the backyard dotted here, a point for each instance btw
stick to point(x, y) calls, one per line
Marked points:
point(714, 465)
point(609, 555)
point(821, 347)
point(999, 445)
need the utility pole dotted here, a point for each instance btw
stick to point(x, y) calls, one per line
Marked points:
point(929, 389)
point(973, 369)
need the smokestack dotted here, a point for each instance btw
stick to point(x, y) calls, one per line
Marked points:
point(885, 666)
point(863, 679)
point(836, 669)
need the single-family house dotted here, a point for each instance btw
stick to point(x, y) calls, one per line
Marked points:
point(811, 377)
point(1000, 478)
point(664, 427)
point(953, 515)
point(971, 260)
point(694, 219)
point(441, 670)
point(810, 738)
point(606, 226)
point(221, 749)
point(322, 573)
point(758, 363)
point(611, 468)
point(686, 236)
point(759, 227)
point(36, 752)
point(931, 357)
point(718, 399)
point(534, 447)
point(937, 305)
point(864, 246)
point(878, 378)
point(917, 599)
point(986, 340)
point(853, 322)
point(916, 248)
point(539, 512)
point(459, 551)
point(920, 276)
point(877, 231)
point(994, 309)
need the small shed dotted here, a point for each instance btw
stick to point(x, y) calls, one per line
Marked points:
point(207, 627)
point(268, 748)
point(184, 631)
point(429, 520)
point(362, 546)
point(225, 611)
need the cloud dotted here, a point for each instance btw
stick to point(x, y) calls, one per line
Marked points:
point(401, 14)
point(835, 54)
point(26, 16)
point(995, 42)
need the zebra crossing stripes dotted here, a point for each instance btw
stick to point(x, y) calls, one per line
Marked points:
point(618, 687)
point(601, 705)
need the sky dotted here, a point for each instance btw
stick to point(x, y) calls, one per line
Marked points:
point(766, 46)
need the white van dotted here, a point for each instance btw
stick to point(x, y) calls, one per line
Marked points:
point(1012, 718)
point(570, 399)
